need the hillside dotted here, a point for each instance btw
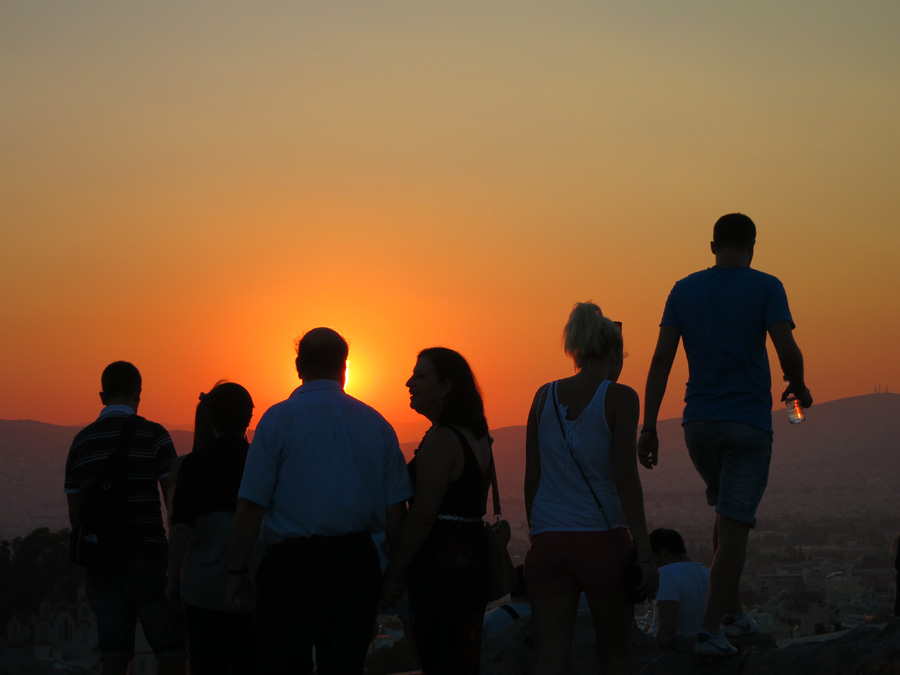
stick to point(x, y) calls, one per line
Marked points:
point(842, 461)
point(32, 468)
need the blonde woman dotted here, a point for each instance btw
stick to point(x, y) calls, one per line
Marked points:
point(583, 499)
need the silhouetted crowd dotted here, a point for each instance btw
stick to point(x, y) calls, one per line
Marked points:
point(280, 551)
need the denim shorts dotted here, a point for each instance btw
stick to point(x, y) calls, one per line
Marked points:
point(121, 595)
point(733, 460)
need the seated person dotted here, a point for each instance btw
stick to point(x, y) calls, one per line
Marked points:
point(683, 584)
point(504, 616)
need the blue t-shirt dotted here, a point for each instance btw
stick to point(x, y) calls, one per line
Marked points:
point(723, 314)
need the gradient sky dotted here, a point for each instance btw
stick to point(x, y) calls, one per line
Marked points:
point(191, 186)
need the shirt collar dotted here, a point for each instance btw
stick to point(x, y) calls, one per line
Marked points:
point(116, 409)
point(317, 385)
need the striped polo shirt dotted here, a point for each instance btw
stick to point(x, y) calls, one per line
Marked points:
point(148, 459)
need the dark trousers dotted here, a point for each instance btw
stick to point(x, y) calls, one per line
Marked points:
point(448, 638)
point(448, 588)
point(320, 591)
point(897, 596)
point(220, 642)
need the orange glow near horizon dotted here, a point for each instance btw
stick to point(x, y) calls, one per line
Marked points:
point(421, 175)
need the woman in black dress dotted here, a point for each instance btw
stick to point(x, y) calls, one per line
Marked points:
point(220, 641)
point(443, 547)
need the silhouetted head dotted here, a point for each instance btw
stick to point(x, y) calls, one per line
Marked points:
point(229, 408)
point(443, 388)
point(734, 236)
point(667, 547)
point(593, 341)
point(322, 355)
point(204, 434)
point(121, 384)
point(734, 230)
point(520, 590)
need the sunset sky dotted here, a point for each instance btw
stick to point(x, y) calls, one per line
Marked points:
point(191, 186)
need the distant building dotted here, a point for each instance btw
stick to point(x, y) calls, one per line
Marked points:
point(841, 589)
point(62, 631)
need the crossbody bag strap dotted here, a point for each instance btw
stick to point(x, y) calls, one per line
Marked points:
point(562, 430)
point(495, 489)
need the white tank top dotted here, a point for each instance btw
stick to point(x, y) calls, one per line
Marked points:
point(563, 502)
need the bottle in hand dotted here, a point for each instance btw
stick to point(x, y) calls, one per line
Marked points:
point(794, 409)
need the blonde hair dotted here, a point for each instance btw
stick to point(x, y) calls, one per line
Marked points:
point(589, 335)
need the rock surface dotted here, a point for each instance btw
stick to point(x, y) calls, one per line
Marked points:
point(868, 650)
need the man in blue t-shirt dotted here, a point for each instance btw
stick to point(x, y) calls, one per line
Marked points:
point(723, 314)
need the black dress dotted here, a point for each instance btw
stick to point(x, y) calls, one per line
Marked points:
point(897, 569)
point(448, 578)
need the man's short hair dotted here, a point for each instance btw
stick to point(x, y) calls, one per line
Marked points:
point(321, 354)
point(734, 230)
point(229, 407)
point(670, 540)
point(120, 378)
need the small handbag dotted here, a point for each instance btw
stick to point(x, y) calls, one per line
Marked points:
point(502, 571)
point(634, 574)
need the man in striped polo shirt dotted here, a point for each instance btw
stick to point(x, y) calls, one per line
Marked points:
point(135, 589)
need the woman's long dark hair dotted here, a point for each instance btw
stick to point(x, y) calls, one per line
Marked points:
point(204, 434)
point(463, 404)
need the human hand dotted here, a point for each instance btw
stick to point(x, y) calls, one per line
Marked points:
point(801, 392)
point(648, 449)
point(649, 578)
point(239, 592)
point(173, 592)
point(391, 591)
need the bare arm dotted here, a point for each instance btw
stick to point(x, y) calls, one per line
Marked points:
point(247, 522)
point(395, 516)
point(791, 360)
point(439, 461)
point(75, 503)
point(623, 411)
point(657, 379)
point(179, 538)
point(667, 611)
point(169, 482)
point(532, 453)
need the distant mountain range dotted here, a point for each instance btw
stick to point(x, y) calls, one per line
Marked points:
point(843, 462)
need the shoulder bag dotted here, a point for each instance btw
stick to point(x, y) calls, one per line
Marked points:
point(503, 573)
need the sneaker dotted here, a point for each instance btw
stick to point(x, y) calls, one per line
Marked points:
point(739, 625)
point(717, 646)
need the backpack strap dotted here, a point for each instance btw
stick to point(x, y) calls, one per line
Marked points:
point(112, 465)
